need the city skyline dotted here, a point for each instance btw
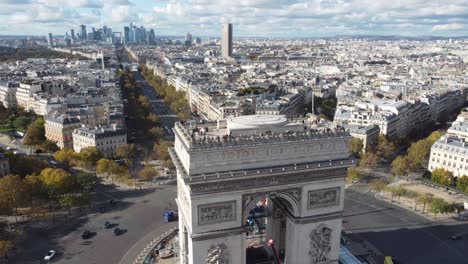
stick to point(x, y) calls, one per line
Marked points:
point(258, 18)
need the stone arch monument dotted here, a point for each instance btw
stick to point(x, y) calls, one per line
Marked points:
point(225, 169)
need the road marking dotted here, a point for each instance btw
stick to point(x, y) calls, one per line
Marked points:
point(414, 225)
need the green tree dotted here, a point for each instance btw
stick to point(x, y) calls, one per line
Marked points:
point(462, 184)
point(49, 146)
point(400, 166)
point(425, 198)
point(399, 191)
point(70, 200)
point(85, 181)
point(36, 133)
point(147, 173)
point(58, 180)
point(89, 156)
point(353, 174)
point(438, 205)
point(378, 185)
point(21, 122)
point(14, 192)
point(442, 176)
point(356, 146)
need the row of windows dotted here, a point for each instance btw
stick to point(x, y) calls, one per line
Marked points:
point(445, 155)
point(453, 165)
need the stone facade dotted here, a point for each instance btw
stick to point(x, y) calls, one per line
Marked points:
point(220, 181)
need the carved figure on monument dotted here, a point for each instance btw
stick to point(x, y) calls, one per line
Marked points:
point(217, 254)
point(320, 247)
point(213, 213)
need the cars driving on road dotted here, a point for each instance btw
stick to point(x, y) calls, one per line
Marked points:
point(86, 234)
point(456, 237)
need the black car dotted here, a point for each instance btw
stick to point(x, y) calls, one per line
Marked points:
point(116, 231)
point(107, 225)
point(102, 210)
point(86, 234)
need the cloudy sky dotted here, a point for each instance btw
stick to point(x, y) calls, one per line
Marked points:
point(263, 18)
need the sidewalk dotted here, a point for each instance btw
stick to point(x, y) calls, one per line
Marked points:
point(410, 205)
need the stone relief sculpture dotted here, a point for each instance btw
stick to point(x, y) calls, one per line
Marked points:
point(217, 254)
point(320, 244)
point(323, 198)
point(214, 213)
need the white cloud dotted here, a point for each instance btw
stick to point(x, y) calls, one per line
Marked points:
point(447, 27)
point(250, 17)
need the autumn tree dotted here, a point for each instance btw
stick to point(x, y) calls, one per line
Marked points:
point(356, 146)
point(161, 152)
point(5, 246)
point(434, 136)
point(36, 188)
point(417, 154)
point(378, 185)
point(36, 133)
point(65, 156)
point(385, 147)
point(58, 180)
point(89, 156)
point(425, 198)
point(399, 191)
point(14, 192)
point(156, 133)
point(111, 169)
point(369, 160)
point(25, 165)
point(147, 173)
point(126, 151)
point(353, 174)
point(442, 176)
point(400, 166)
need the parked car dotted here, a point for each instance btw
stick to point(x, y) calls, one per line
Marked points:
point(49, 255)
point(86, 234)
point(116, 231)
point(456, 237)
point(107, 225)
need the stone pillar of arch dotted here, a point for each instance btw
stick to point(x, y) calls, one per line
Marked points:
point(302, 174)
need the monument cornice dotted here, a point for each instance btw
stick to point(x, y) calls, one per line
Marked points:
point(266, 180)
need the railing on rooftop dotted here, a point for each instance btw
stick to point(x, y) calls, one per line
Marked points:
point(206, 140)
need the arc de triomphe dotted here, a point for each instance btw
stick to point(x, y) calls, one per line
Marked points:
point(224, 170)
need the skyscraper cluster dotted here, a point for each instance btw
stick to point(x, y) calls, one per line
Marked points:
point(139, 35)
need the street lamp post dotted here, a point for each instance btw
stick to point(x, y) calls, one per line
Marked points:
point(271, 243)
